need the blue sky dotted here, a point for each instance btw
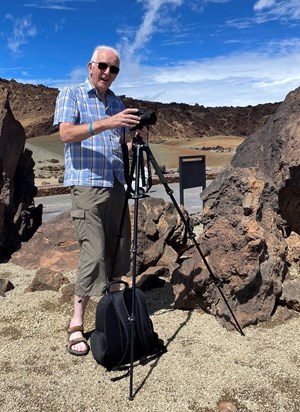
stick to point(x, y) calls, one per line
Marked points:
point(210, 52)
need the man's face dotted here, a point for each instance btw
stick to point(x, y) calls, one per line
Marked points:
point(102, 79)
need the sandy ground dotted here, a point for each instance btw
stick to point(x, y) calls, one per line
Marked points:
point(204, 365)
point(45, 149)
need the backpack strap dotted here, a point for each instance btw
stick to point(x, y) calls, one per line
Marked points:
point(123, 315)
point(115, 282)
point(145, 330)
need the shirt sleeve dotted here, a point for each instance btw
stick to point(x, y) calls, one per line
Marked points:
point(66, 109)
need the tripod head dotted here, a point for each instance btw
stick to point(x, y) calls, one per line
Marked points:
point(138, 140)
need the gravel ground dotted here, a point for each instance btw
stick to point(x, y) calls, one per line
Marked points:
point(204, 364)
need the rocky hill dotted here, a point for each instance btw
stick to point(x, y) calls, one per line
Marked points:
point(34, 106)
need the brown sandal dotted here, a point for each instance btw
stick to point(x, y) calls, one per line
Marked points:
point(72, 342)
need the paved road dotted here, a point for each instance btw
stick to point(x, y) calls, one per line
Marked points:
point(54, 205)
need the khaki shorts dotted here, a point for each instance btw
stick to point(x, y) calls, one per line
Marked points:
point(96, 214)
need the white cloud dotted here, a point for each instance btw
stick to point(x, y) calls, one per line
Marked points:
point(239, 79)
point(9, 17)
point(150, 21)
point(22, 30)
point(236, 80)
point(278, 10)
point(56, 4)
point(60, 25)
point(270, 10)
point(262, 4)
point(78, 74)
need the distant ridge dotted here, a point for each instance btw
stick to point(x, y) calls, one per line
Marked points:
point(34, 106)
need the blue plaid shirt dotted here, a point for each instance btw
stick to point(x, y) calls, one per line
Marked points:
point(96, 160)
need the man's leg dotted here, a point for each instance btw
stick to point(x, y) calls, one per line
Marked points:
point(88, 209)
point(78, 320)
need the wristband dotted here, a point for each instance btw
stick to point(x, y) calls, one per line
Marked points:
point(91, 128)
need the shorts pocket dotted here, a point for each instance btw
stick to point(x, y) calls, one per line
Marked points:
point(78, 217)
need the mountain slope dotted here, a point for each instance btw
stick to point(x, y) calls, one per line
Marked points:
point(34, 107)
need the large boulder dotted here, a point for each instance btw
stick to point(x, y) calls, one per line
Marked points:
point(18, 216)
point(251, 209)
point(53, 246)
point(161, 236)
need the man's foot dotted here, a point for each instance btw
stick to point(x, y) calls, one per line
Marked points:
point(77, 344)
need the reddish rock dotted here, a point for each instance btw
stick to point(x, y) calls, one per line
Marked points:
point(227, 407)
point(53, 246)
point(251, 208)
point(46, 279)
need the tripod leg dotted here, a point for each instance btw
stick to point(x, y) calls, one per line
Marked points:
point(137, 195)
point(191, 234)
point(136, 169)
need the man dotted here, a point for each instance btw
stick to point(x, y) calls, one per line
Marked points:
point(92, 124)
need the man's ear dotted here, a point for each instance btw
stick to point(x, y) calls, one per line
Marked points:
point(90, 67)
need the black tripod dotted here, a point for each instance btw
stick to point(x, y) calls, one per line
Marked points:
point(137, 174)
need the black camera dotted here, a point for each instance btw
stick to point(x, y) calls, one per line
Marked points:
point(147, 119)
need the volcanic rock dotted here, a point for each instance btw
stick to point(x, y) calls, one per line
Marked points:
point(46, 279)
point(53, 246)
point(18, 216)
point(5, 286)
point(161, 238)
point(251, 209)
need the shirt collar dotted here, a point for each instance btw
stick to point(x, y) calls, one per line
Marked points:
point(89, 88)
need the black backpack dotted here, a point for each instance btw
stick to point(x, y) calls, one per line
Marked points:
point(111, 339)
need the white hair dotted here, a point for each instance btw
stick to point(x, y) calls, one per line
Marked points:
point(103, 47)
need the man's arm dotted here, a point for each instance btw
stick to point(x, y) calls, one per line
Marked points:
point(70, 132)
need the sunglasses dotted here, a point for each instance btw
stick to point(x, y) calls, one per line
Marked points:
point(104, 66)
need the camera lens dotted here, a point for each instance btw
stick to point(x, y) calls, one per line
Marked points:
point(147, 118)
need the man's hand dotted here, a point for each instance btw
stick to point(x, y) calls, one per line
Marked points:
point(126, 118)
